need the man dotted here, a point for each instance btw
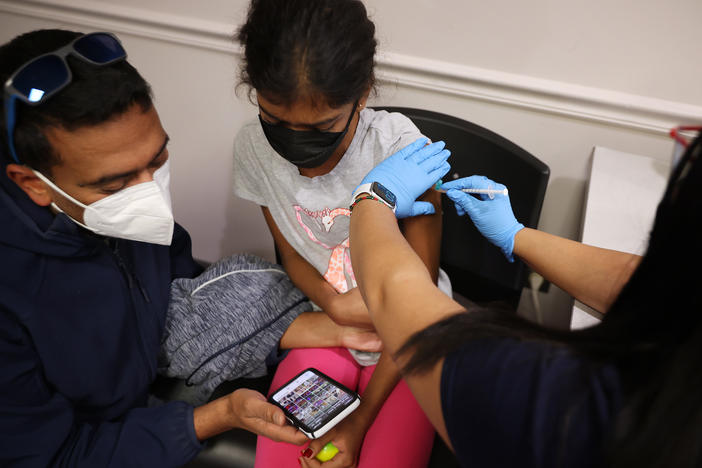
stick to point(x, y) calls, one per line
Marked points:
point(88, 250)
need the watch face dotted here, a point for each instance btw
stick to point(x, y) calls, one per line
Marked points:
point(380, 190)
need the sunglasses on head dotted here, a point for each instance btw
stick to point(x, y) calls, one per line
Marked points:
point(42, 77)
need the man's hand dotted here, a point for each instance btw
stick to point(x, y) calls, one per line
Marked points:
point(251, 411)
point(245, 409)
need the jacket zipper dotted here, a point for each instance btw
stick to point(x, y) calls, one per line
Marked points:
point(132, 279)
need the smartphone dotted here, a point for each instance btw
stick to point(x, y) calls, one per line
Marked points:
point(314, 402)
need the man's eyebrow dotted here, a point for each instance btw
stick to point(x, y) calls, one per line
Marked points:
point(111, 178)
point(315, 124)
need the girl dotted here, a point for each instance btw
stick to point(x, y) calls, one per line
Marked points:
point(310, 63)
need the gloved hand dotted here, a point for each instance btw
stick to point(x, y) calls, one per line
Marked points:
point(409, 173)
point(493, 217)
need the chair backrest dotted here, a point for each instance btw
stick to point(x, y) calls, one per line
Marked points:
point(477, 269)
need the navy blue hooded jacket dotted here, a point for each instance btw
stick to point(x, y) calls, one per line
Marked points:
point(81, 318)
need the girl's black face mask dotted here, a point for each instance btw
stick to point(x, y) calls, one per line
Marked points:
point(305, 149)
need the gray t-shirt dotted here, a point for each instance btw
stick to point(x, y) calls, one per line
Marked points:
point(313, 213)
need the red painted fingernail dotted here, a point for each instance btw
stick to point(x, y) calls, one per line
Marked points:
point(307, 453)
point(299, 460)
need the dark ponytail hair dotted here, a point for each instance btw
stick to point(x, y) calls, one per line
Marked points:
point(652, 335)
point(308, 49)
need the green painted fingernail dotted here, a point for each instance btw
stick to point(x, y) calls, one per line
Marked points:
point(327, 452)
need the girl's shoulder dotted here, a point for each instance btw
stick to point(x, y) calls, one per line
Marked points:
point(388, 131)
point(249, 137)
point(388, 123)
point(251, 149)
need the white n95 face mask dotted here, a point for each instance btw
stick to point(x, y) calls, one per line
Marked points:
point(141, 212)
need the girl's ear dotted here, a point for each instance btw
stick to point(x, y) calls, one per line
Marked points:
point(32, 185)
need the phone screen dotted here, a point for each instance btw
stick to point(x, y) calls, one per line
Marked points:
point(313, 399)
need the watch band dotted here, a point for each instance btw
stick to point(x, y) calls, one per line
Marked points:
point(363, 188)
point(368, 188)
point(365, 196)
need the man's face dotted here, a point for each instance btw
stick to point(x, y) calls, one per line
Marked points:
point(100, 160)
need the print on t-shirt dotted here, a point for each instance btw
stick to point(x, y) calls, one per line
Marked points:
point(330, 229)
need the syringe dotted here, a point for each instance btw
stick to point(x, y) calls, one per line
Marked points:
point(490, 192)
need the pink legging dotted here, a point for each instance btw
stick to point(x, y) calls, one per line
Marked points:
point(401, 435)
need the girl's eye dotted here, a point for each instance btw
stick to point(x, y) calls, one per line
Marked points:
point(326, 128)
point(268, 121)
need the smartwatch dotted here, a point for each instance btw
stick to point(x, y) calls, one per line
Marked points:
point(378, 191)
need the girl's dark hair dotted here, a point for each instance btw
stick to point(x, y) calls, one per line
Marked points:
point(652, 335)
point(95, 95)
point(308, 48)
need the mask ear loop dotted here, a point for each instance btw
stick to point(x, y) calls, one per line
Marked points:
point(46, 180)
point(348, 123)
point(57, 208)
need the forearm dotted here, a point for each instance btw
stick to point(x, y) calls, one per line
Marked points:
point(382, 382)
point(158, 436)
point(312, 329)
point(213, 418)
point(592, 275)
point(303, 275)
point(423, 233)
point(244, 409)
point(400, 295)
point(308, 280)
point(396, 286)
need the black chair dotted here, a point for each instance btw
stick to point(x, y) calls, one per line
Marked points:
point(477, 269)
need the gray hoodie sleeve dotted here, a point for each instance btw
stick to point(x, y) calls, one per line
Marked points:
point(225, 323)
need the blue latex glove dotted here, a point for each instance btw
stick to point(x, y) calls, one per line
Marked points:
point(409, 173)
point(493, 218)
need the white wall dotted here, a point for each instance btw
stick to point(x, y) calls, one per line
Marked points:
point(556, 77)
point(625, 45)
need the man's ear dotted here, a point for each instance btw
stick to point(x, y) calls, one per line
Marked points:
point(32, 185)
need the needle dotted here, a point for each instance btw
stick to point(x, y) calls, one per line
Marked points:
point(490, 192)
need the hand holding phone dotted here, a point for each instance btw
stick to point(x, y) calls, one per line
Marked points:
point(314, 402)
point(246, 409)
